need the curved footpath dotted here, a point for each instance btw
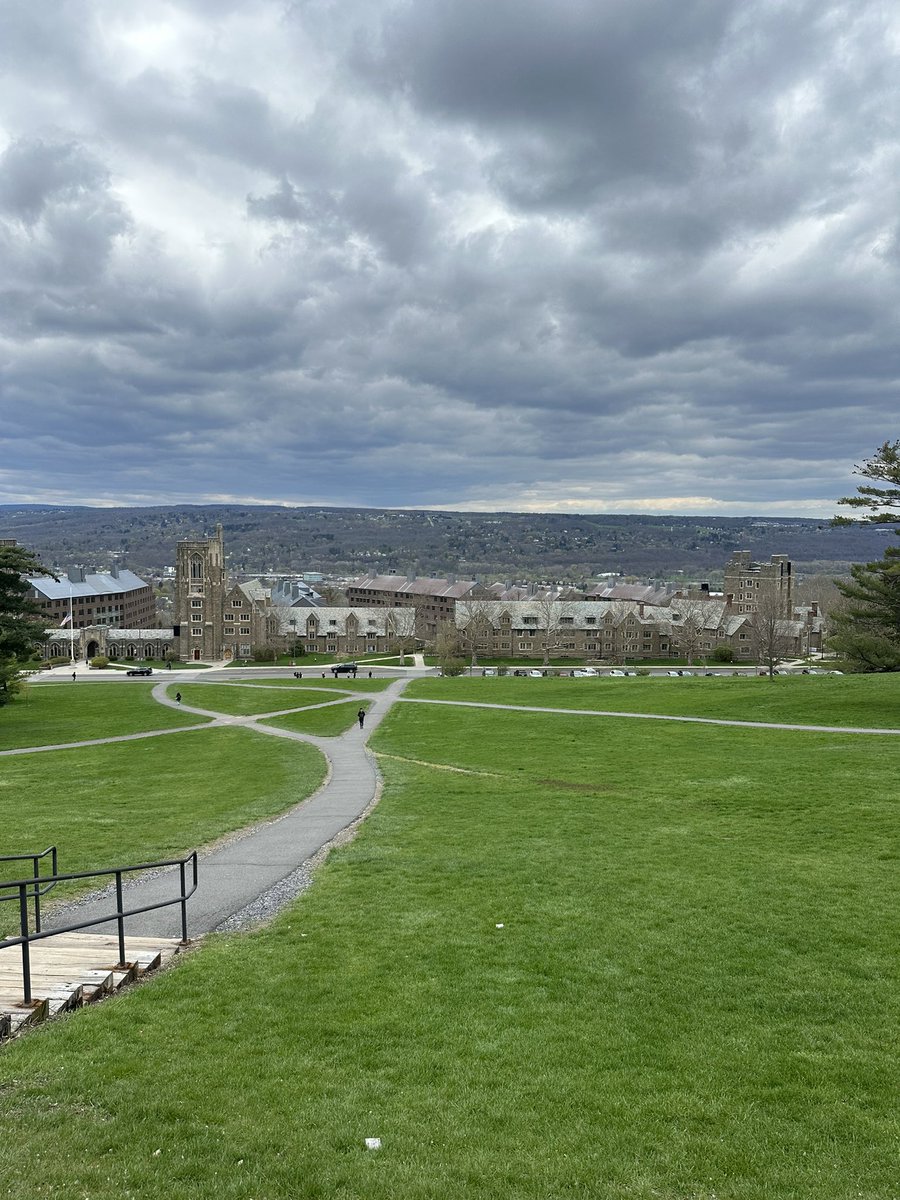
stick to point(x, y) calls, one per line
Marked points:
point(236, 873)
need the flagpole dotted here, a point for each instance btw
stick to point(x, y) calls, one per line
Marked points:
point(71, 629)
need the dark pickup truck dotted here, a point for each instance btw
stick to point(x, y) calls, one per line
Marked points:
point(344, 669)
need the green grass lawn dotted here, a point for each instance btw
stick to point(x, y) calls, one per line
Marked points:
point(620, 959)
point(326, 722)
point(149, 799)
point(317, 681)
point(244, 701)
point(51, 714)
point(858, 700)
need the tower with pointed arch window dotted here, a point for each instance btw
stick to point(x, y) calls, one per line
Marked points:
point(200, 598)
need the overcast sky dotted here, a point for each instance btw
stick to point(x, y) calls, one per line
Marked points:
point(586, 255)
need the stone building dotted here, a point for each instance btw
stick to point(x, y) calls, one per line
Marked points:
point(200, 598)
point(747, 581)
point(109, 599)
point(434, 600)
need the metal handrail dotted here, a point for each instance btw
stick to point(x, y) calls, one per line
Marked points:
point(25, 938)
point(39, 891)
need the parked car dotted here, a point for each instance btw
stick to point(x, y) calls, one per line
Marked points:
point(140, 671)
point(618, 674)
point(344, 669)
point(579, 674)
point(535, 674)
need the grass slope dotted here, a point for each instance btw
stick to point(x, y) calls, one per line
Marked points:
point(58, 713)
point(148, 799)
point(694, 992)
point(871, 701)
point(326, 722)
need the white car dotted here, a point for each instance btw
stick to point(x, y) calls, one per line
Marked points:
point(576, 674)
point(618, 674)
point(535, 674)
point(589, 671)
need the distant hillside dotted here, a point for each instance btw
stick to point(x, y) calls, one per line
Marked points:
point(347, 541)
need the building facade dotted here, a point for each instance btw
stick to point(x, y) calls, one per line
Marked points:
point(747, 582)
point(115, 598)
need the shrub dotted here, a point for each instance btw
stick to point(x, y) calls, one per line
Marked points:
point(723, 654)
point(99, 661)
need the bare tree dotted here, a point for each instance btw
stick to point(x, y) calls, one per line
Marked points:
point(448, 650)
point(550, 612)
point(404, 625)
point(473, 621)
point(772, 633)
point(689, 616)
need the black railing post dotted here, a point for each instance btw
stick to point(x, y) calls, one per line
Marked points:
point(120, 920)
point(184, 936)
point(37, 895)
point(26, 947)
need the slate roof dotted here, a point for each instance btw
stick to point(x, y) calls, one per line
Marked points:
point(419, 586)
point(93, 585)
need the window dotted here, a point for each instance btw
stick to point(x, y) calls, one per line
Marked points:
point(197, 632)
point(244, 650)
point(332, 622)
point(196, 616)
point(196, 604)
point(590, 620)
point(567, 620)
point(245, 629)
point(590, 645)
point(229, 616)
point(529, 620)
point(237, 604)
point(523, 645)
point(196, 567)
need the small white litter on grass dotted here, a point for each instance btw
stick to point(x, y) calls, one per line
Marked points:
point(373, 1143)
point(500, 926)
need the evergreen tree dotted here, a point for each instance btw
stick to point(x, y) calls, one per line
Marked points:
point(22, 623)
point(868, 623)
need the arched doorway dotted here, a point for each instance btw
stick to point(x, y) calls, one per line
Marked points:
point(93, 649)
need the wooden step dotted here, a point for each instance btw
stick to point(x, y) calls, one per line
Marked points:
point(72, 969)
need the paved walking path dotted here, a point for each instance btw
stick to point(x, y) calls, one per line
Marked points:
point(237, 872)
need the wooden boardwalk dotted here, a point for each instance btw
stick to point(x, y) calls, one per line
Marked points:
point(71, 969)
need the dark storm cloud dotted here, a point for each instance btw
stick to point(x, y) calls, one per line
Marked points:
point(425, 253)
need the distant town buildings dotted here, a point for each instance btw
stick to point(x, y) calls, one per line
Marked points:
point(215, 621)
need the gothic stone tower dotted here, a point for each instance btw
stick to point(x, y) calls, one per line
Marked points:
point(200, 598)
point(747, 581)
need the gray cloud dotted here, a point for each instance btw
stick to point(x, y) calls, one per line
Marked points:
point(416, 253)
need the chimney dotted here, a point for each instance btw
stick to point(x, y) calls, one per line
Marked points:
point(76, 574)
point(114, 570)
point(814, 608)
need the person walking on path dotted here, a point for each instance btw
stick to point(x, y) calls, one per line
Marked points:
point(74, 676)
point(178, 697)
point(361, 717)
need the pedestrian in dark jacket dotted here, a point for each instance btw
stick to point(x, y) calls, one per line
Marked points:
point(361, 717)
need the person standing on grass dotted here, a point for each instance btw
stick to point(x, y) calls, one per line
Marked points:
point(361, 717)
